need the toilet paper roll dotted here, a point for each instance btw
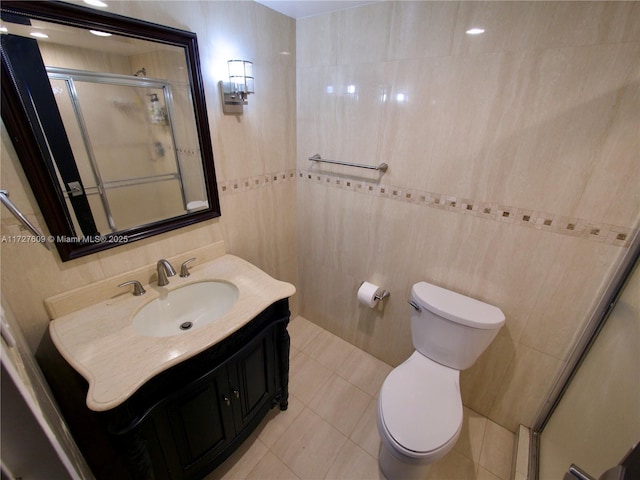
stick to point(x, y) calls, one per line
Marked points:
point(367, 294)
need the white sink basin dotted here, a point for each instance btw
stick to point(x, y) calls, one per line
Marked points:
point(185, 309)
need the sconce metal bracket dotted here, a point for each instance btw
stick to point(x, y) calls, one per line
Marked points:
point(232, 100)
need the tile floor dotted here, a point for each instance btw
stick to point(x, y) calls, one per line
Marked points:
point(329, 430)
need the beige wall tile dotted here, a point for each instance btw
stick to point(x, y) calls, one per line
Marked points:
point(421, 29)
point(317, 40)
point(482, 383)
point(364, 34)
point(525, 386)
point(540, 113)
point(257, 224)
point(558, 322)
point(526, 137)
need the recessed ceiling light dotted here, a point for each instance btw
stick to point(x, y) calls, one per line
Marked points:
point(39, 35)
point(99, 33)
point(96, 3)
point(475, 31)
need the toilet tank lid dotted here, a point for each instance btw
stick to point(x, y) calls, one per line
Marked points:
point(457, 307)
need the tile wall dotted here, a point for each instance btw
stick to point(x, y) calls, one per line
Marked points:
point(257, 224)
point(536, 118)
point(513, 174)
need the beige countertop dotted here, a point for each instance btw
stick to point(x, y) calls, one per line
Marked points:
point(100, 343)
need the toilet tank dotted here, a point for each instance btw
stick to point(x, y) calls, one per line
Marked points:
point(450, 328)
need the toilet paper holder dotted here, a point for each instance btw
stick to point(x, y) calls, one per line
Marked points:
point(378, 296)
point(382, 295)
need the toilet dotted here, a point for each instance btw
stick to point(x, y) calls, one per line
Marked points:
point(420, 407)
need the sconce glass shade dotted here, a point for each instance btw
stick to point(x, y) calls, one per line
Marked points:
point(235, 92)
point(241, 75)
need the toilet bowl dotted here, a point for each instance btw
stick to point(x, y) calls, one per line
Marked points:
point(419, 416)
point(420, 412)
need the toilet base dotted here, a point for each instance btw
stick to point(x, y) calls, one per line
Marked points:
point(396, 469)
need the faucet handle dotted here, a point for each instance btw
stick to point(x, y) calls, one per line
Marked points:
point(137, 287)
point(184, 269)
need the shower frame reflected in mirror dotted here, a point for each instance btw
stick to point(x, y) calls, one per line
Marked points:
point(80, 207)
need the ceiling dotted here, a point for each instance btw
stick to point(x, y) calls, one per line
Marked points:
point(308, 8)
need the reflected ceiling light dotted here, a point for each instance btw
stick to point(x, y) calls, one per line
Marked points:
point(99, 33)
point(474, 31)
point(3, 29)
point(351, 89)
point(236, 91)
point(401, 98)
point(96, 3)
point(39, 35)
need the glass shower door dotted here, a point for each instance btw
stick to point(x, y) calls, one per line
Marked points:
point(597, 420)
point(129, 162)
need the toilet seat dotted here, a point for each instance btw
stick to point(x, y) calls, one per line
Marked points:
point(420, 408)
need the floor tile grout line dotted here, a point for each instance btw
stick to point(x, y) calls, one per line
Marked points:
point(477, 465)
point(334, 460)
point(282, 435)
point(370, 398)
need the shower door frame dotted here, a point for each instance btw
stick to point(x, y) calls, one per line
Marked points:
point(70, 76)
point(582, 347)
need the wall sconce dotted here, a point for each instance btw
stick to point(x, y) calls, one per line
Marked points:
point(235, 92)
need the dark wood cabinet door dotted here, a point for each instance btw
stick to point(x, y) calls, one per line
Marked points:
point(252, 377)
point(194, 427)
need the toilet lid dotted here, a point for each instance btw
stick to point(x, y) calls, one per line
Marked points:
point(421, 404)
point(458, 308)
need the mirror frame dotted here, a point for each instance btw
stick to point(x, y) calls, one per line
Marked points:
point(43, 184)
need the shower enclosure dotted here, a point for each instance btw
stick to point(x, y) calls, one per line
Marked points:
point(130, 162)
point(592, 417)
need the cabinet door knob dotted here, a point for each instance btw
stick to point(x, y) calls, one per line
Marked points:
point(226, 401)
point(236, 393)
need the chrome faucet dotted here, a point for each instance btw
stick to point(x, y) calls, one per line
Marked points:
point(164, 270)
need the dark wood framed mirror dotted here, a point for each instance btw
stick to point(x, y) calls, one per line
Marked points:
point(108, 118)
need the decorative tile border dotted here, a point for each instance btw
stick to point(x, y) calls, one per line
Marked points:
point(257, 181)
point(575, 227)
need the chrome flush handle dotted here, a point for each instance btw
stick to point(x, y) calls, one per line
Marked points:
point(414, 305)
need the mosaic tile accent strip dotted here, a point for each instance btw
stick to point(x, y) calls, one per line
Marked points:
point(574, 227)
point(257, 181)
point(187, 150)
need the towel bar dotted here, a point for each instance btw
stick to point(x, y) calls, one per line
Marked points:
point(4, 198)
point(382, 167)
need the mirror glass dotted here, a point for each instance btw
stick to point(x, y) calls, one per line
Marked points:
point(135, 158)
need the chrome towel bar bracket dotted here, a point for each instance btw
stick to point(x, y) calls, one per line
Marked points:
point(382, 167)
point(4, 198)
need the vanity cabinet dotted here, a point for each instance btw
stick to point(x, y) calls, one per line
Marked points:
point(187, 420)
